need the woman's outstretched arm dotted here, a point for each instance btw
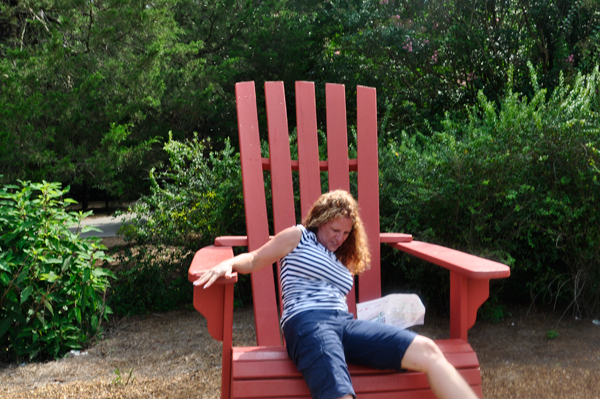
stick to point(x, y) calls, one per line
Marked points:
point(275, 249)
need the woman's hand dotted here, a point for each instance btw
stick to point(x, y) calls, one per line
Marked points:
point(209, 276)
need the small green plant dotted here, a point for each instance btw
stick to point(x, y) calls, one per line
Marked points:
point(120, 380)
point(52, 290)
point(551, 334)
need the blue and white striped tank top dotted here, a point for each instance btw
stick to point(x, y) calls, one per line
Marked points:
point(313, 278)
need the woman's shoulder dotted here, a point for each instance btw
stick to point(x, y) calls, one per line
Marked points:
point(302, 236)
point(306, 233)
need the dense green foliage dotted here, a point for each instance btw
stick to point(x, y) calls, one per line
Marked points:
point(89, 90)
point(52, 290)
point(519, 182)
point(88, 87)
point(195, 199)
point(430, 57)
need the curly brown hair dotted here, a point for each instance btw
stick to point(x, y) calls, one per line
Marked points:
point(354, 252)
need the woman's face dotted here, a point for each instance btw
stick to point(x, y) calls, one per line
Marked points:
point(333, 233)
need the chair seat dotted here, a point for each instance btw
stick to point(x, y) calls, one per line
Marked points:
point(261, 372)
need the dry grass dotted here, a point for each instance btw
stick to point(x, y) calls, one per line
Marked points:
point(166, 355)
point(172, 356)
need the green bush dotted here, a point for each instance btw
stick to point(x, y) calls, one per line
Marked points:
point(195, 199)
point(52, 296)
point(518, 182)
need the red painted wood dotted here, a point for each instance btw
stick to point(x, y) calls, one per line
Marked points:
point(210, 302)
point(308, 147)
point(216, 304)
point(397, 383)
point(270, 388)
point(406, 381)
point(273, 369)
point(460, 262)
point(208, 257)
point(479, 291)
point(453, 345)
point(458, 305)
point(279, 150)
point(282, 189)
point(263, 286)
point(337, 152)
point(226, 374)
point(368, 187)
point(256, 363)
point(421, 394)
point(337, 137)
point(272, 353)
point(284, 368)
point(466, 296)
point(323, 165)
point(389, 238)
point(232, 241)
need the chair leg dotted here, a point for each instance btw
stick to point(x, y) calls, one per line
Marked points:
point(466, 296)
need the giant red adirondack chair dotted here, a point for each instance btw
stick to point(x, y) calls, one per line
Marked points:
point(265, 370)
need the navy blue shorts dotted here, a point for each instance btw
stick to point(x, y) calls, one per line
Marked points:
point(321, 342)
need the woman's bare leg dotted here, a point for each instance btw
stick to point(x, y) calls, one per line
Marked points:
point(446, 383)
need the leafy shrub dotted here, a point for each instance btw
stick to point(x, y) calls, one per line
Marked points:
point(195, 199)
point(52, 290)
point(518, 182)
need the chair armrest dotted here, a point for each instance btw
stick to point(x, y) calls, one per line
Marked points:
point(215, 302)
point(469, 280)
point(233, 241)
point(467, 265)
point(392, 238)
point(208, 257)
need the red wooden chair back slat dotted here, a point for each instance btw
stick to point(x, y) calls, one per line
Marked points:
point(337, 137)
point(265, 307)
point(279, 152)
point(282, 188)
point(337, 151)
point(308, 147)
point(368, 187)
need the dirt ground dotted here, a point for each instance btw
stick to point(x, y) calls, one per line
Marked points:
point(171, 355)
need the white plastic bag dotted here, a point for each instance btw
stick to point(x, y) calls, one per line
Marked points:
point(401, 310)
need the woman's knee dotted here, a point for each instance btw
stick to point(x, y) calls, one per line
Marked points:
point(422, 354)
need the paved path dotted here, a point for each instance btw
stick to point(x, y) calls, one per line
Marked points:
point(108, 224)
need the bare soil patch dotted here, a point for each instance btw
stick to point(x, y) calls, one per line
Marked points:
point(171, 355)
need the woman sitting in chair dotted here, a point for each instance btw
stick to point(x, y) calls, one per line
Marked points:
point(318, 261)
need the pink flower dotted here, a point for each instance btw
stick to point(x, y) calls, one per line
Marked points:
point(337, 52)
point(384, 1)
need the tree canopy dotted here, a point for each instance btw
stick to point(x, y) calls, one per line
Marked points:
point(89, 89)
